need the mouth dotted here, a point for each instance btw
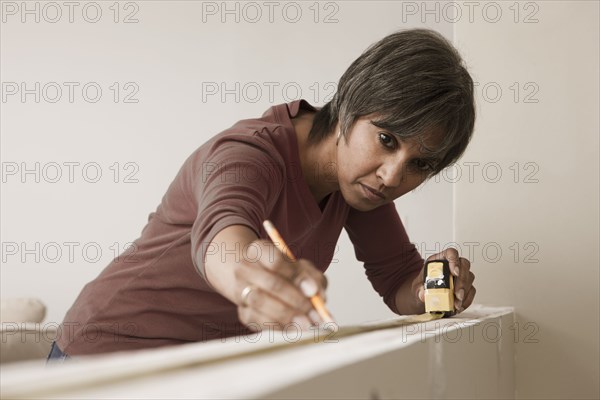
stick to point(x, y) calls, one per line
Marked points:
point(372, 193)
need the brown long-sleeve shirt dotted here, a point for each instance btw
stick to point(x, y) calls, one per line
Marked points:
point(156, 293)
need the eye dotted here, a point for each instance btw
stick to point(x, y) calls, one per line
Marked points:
point(387, 140)
point(423, 165)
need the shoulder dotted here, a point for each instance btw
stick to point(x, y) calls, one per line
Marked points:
point(268, 141)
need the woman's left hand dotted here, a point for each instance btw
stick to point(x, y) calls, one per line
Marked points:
point(460, 267)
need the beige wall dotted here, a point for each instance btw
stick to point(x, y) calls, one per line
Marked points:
point(171, 53)
point(553, 280)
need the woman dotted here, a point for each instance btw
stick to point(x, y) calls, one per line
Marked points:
point(204, 268)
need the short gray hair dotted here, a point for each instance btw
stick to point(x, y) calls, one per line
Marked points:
point(416, 82)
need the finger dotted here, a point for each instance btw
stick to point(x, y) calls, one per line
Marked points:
point(469, 299)
point(462, 287)
point(272, 259)
point(307, 281)
point(464, 264)
point(325, 282)
point(451, 254)
point(288, 296)
point(273, 312)
point(253, 319)
point(310, 280)
point(301, 272)
point(464, 276)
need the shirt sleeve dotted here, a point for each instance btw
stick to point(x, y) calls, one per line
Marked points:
point(237, 184)
point(382, 244)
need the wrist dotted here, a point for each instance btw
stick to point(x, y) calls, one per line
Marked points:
point(417, 285)
point(407, 296)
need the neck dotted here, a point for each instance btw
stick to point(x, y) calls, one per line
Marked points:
point(318, 159)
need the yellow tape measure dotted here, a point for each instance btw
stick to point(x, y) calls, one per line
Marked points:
point(439, 288)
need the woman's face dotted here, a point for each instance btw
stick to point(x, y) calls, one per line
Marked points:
point(375, 167)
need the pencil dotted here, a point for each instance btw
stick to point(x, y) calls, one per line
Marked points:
point(276, 238)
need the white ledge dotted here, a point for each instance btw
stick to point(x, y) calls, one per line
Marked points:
point(468, 355)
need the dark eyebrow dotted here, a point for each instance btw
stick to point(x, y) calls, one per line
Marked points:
point(380, 126)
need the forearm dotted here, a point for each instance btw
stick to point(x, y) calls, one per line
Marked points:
point(220, 264)
point(407, 301)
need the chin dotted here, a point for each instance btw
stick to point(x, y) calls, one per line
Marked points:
point(363, 207)
point(358, 203)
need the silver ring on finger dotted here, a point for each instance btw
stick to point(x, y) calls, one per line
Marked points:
point(245, 294)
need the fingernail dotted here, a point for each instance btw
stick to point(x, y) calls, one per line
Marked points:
point(302, 321)
point(315, 317)
point(456, 270)
point(461, 294)
point(308, 287)
point(458, 304)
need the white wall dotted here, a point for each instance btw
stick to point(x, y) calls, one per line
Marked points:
point(171, 51)
point(169, 54)
point(551, 211)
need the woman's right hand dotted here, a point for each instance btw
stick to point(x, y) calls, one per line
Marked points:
point(277, 290)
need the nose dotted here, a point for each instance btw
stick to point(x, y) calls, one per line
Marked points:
point(391, 173)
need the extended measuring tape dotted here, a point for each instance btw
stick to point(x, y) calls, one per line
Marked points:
point(439, 301)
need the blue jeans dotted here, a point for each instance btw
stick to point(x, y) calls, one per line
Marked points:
point(56, 354)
